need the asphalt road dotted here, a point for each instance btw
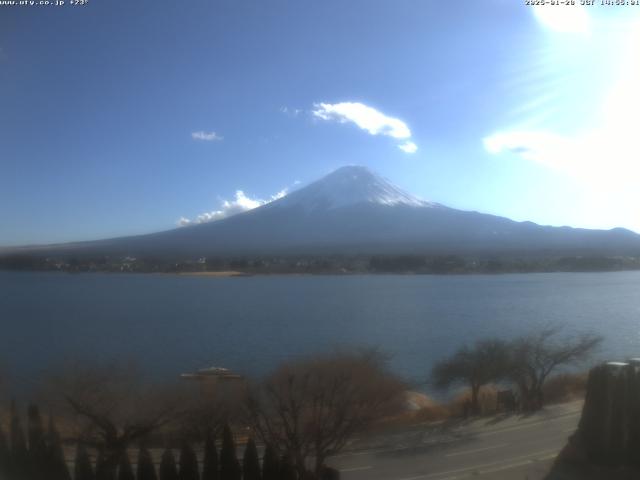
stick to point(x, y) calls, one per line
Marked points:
point(504, 447)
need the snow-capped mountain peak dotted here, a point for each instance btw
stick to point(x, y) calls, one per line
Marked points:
point(348, 186)
point(354, 211)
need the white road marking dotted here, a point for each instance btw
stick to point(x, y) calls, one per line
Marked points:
point(466, 452)
point(502, 468)
point(522, 427)
point(548, 457)
point(531, 457)
point(516, 465)
point(356, 469)
point(369, 452)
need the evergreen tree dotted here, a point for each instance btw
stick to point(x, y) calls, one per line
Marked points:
point(146, 470)
point(125, 471)
point(35, 434)
point(229, 465)
point(251, 462)
point(83, 469)
point(168, 469)
point(4, 455)
point(210, 462)
point(270, 464)
point(37, 444)
point(287, 470)
point(188, 463)
point(19, 455)
point(103, 468)
point(56, 464)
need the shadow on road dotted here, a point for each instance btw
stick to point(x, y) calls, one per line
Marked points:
point(500, 418)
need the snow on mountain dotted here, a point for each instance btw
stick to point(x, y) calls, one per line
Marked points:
point(348, 186)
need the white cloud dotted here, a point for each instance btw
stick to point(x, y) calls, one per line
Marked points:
point(408, 147)
point(538, 146)
point(241, 203)
point(365, 117)
point(281, 194)
point(206, 136)
point(293, 112)
point(602, 161)
point(368, 119)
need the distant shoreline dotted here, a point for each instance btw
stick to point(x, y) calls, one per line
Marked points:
point(417, 264)
point(239, 274)
point(230, 273)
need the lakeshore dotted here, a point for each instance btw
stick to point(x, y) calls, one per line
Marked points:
point(215, 274)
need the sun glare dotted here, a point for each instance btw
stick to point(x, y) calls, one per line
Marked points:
point(600, 151)
point(565, 19)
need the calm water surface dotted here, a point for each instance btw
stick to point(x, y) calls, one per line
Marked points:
point(171, 324)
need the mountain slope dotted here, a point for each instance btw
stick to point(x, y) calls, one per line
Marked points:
point(353, 210)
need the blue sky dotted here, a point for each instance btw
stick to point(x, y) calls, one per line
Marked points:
point(123, 117)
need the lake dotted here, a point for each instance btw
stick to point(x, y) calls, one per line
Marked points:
point(172, 324)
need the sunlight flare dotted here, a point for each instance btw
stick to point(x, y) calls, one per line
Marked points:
point(563, 19)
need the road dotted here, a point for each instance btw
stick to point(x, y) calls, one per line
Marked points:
point(504, 447)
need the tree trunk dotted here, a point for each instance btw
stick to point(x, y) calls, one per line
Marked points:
point(539, 398)
point(319, 466)
point(475, 404)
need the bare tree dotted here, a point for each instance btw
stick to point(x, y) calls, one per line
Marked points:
point(485, 362)
point(310, 409)
point(535, 356)
point(114, 407)
point(207, 410)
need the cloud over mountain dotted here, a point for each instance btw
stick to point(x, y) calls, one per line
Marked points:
point(367, 118)
point(240, 203)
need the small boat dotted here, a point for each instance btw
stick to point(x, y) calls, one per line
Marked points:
point(217, 373)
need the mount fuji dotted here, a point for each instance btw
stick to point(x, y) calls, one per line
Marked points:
point(354, 211)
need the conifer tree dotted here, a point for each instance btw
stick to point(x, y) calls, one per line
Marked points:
point(4, 455)
point(56, 464)
point(35, 434)
point(103, 468)
point(251, 462)
point(287, 470)
point(210, 461)
point(37, 444)
point(125, 471)
point(146, 469)
point(83, 470)
point(168, 469)
point(229, 465)
point(19, 455)
point(188, 463)
point(270, 464)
